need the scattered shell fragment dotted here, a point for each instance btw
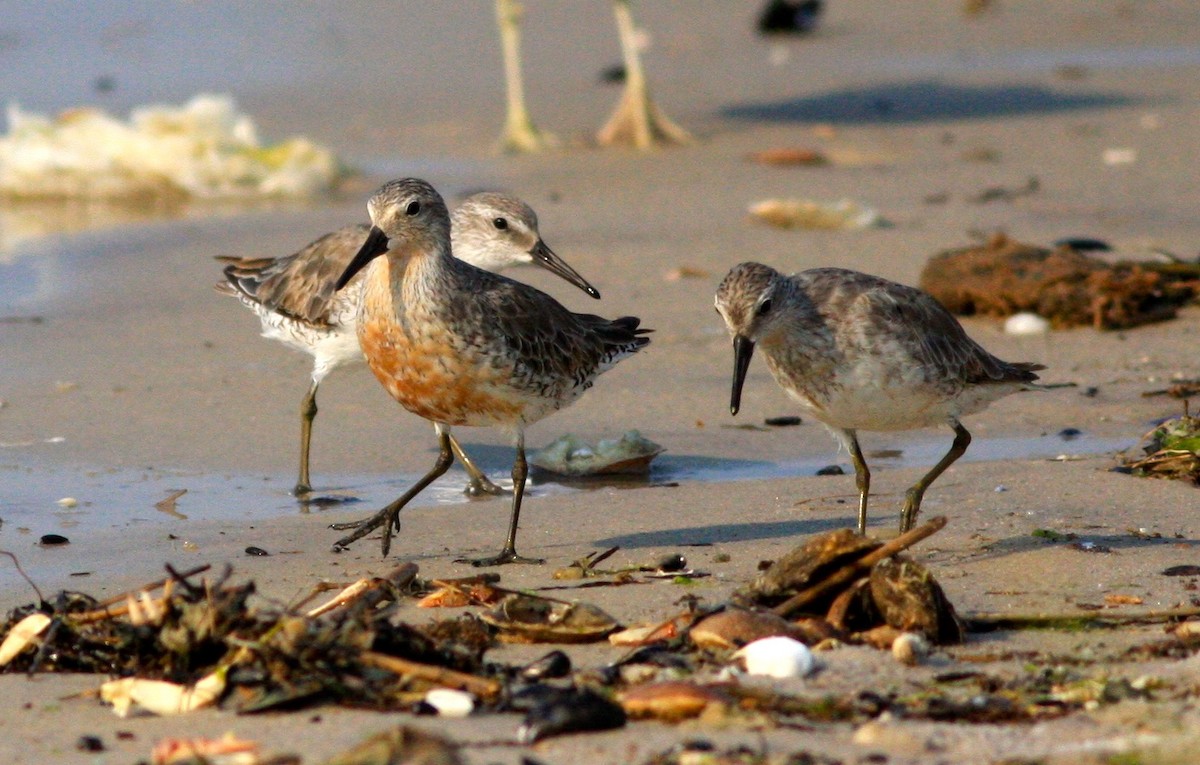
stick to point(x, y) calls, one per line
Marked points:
point(227, 750)
point(402, 745)
point(569, 710)
point(736, 627)
point(23, 634)
point(552, 665)
point(670, 700)
point(778, 657)
point(910, 648)
point(686, 272)
point(1026, 323)
point(631, 454)
point(844, 214)
point(161, 697)
point(788, 156)
point(530, 619)
point(67, 502)
point(450, 703)
point(644, 635)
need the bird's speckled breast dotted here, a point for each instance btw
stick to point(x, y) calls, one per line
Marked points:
point(423, 365)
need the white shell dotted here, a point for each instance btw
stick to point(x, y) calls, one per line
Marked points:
point(910, 648)
point(1026, 324)
point(450, 703)
point(779, 656)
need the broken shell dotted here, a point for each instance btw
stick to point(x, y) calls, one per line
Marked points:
point(228, 748)
point(530, 619)
point(553, 664)
point(67, 502)
point(809, 563)
point(670, 700)
point(450, 703)
point(644, 635)
point(910, 648)
point(161, 697)
point(401, 744)
point(570, 455)
point(735, 627)
point(23, 634)
point(845, 214)
point(1026, 323)
point(911, 600)
point(779, 657)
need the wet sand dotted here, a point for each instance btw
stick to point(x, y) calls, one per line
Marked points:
point(125, 376)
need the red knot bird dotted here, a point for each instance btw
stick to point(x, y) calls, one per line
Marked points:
point(296, 302)
point(860, 352)
point(458, 345)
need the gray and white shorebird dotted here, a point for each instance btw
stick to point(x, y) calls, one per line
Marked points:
point(297, 303)
point(859, 352)
point(459, 345)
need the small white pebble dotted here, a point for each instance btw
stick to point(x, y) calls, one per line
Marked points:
point(1026, 323)
point(910, 648)
point(1119, 156)
point(68, 502)
point(1000, 489)
point(779, 657)
point(449, 702)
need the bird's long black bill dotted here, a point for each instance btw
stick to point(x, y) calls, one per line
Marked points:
point(743, 349)
point(376, 245)
point(547, 259)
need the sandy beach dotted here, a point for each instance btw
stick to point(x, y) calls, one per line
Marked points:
point(125, 377)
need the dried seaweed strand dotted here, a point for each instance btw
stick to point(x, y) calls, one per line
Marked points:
point(450, 678)
point(118, 605)
point(857, 568)
point(1072, 620)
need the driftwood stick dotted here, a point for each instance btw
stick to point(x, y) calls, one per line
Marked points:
point(857, 568)
point(480, 686)
point(118, 605)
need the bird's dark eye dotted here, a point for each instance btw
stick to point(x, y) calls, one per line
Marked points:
point(500, 223)
point(413, 208)
point(764, 308)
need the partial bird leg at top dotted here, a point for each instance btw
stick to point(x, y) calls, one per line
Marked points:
point(509, 554)
point(308, 412)
point(912, 498)
point(389, 516)
point(862, 477)
point(637, 121)
point(520, 134)
point(478, 483)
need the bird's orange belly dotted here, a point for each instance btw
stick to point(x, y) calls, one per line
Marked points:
point(434, 380)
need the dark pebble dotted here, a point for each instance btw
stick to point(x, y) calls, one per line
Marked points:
point(1091, 391)
point(831, 470)
point(89, 744)
point(252, 550)
point(613, 75)
point(1068, 434)
point(53, 540)
point(569, 710)
point(1084, 244)
point(553, 664)
point(1125, 469)
point(1186, 570)
point(789, 17)
point(672, 562)
point(786, 421)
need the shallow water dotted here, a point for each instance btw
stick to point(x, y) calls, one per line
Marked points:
point(120, 498)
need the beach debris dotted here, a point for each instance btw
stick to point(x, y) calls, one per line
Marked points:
point(1026, 323)
point(791, 17)
point(554, 711)
point(789, 157)
point(204, 149)
point(736, 627)
point(1064, 286)
point(522, 618)
point(24, 634)
point(167, 504)
point(53, 540)
point(670, 700)
point(1171, 450)
point(1177, 389)
point(227, 750)
point(910, 648)
point(67, 503)
point(866, 590)
point(1006, 193)
point(160, 697)
point(843, 215)
point(569, 455)
point(553, 665)
point(401, 745)
point(680, 273)
point(450, 702)
point(779, 657)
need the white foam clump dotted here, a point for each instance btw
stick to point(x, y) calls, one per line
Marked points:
point(1026, 324)
point(779, 657)
point(204, 149)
